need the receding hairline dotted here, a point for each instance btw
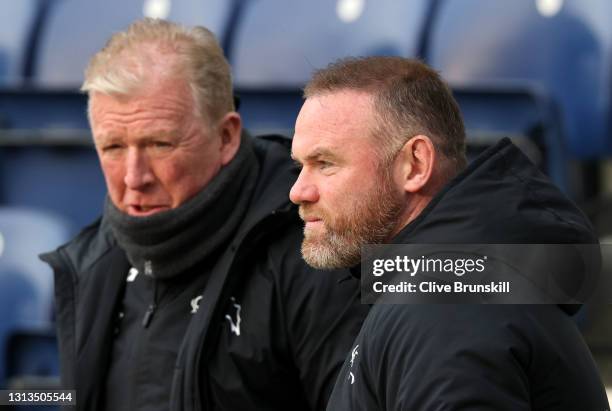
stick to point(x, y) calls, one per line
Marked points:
point(368, 101)
point(153, 61)
point(131, 57)
point(151, 79)
point(409, 99)
point(376, 121)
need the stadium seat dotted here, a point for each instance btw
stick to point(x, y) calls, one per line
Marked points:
point(26, 294)
point(96, 22)
point(279, 43)
point(16, 22)
point(560, 48)
point(47, 158)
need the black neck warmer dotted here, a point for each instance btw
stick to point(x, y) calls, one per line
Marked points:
point(168, 243)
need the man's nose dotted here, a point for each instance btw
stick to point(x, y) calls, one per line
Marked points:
point(303, 191)
point(138, 173)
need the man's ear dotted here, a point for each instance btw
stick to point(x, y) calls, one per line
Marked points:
point(230, 128)
point(416, 163)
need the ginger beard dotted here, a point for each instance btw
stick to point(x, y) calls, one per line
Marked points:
point(364, 218)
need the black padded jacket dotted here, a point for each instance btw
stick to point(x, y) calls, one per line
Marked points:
point(479, 357)
point(296, 324)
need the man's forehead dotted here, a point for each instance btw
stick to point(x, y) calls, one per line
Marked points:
point(162, 105)
point(327, 123)
point(342, 106)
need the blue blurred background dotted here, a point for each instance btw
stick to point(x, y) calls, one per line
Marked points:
point(538, 71)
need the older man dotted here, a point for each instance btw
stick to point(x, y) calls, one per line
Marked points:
point(381, 143)
point(190, 292)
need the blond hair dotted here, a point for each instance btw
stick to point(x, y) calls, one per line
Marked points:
point(123, 65)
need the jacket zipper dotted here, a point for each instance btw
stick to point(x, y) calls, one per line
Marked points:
point(148, 315)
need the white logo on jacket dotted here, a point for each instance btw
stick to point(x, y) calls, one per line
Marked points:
point(235, 325)
point(354, 355)
point(195, 304)
point(132, 275)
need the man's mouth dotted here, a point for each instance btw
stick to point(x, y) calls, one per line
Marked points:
point(311, 219)
point(140, 210)
point(312, 222)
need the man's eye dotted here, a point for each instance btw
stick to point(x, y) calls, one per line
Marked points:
point(324, 164)
point(161, 145)
point(111, 147)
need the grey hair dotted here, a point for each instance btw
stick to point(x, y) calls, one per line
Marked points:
point(122, 66)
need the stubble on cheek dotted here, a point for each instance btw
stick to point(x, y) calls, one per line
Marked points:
point(368, 219)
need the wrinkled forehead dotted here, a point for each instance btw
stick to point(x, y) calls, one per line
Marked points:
point(161, 102)
point(157, 90)
point(144, 116)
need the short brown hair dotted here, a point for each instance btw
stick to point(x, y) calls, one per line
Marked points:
point(120, 67)
point(409, 99)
